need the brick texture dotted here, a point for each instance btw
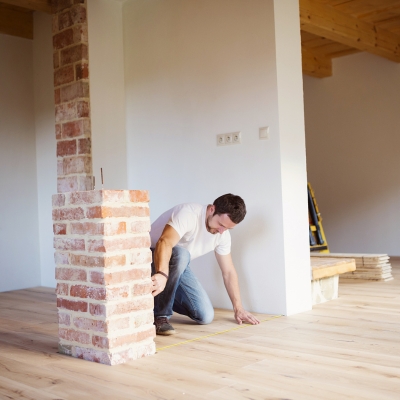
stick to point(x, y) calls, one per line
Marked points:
point(71, 95)
point(103, 268)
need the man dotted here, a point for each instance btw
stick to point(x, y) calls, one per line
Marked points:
point(182, 234)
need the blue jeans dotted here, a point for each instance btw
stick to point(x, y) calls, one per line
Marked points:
point(183, 293)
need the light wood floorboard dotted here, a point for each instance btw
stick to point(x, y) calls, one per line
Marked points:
point(348, 348)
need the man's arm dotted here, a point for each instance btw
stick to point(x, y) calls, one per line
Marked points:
point(162, 254)
point(232, 287)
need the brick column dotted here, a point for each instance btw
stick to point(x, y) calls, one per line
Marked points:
point(71, 84)
point(105, 306)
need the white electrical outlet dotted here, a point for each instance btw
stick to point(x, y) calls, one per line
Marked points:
point(228, 138)
point(236, 137)
point(221, 139)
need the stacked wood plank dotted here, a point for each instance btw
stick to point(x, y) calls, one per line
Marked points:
point(374, 267)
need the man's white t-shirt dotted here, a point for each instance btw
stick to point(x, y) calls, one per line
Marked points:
point(189, 220)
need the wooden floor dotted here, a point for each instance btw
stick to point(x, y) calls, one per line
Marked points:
point(344, 349)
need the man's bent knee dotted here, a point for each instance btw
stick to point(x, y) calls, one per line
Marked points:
point(206, 317)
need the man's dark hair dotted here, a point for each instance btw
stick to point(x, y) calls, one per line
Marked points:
point(232, 205)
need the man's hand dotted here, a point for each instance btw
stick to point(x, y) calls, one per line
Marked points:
point(159, 282)
point(241, 315)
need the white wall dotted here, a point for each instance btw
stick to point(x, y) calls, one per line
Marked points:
point(353, 152)
point(194, 69)
point(19, 239)
point(107, 96)
point(46, 161)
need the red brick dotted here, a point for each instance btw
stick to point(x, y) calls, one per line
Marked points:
point(117, 324)
point(117, 293)
point(111, 278)
point(88, 324)
point(82, 71)
point(76, 165)
point(70, 214)
point(70, 274)
point(113, 195)
point(67, 184)
point(103, 342)
point(100, 341)
point(60, 229)
point(75, 53)
point(66, 148)
point(107, 212)
point(58, 200)
point(82, 109)
point(140, 226)
point(55, 24)
point(139, 196)
point(61, 258)
point(57, 98)
point(60, 167)
point(141, 257)
point(93, 196)
point(72, 305)
point(64, 319)
point(93, 228)
point(140, 289)
point(64, 75)
point(64, 20)
point(94, 261)
point(97, 309)
point(94, 355)
point(74, 336)
point(106, 245)
point(69, 244)
point(66, 112)
point(80, 33)
point(63, 39)
point(76, 128)
point(78, 14)
point(84, 292)
point(58, 131)
point(74, 91)
point(84, 146)
point(85, 182)
point(60, 5)
point(56, 60)
point(141, 319)
point(62, 289)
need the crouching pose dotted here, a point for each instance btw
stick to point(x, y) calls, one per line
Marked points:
point(181, 234)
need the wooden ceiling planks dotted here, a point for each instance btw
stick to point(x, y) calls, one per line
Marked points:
point(334, 28)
